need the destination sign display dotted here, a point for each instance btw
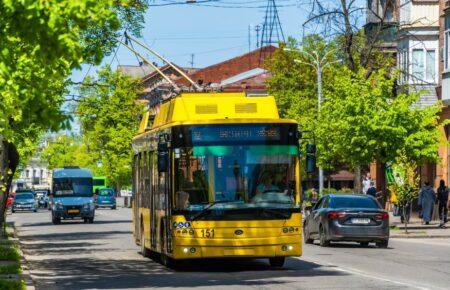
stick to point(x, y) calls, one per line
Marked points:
point(202, 134)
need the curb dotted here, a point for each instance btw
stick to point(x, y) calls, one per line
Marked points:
point(424, 236)
point(26, 274)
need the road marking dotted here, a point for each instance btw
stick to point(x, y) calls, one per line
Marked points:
point(367, 275)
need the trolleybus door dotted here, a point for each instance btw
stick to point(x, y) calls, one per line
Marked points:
point(154, 191)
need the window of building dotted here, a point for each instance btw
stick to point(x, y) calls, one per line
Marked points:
point(27, 173)
point(424, 65)
point(418, 63)
point(447, 43)
point(430, 73)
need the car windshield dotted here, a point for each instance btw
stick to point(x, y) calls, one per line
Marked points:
point(72, 186)
point(106, 192)
point(24, 196)
point(99, 182)
point(353, 202)
point(235, 176)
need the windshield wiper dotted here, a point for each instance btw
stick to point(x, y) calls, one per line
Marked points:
point(274, 212)
point(205, 209)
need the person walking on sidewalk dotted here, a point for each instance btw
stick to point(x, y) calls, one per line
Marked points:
point(427, 197)
point(442, 198)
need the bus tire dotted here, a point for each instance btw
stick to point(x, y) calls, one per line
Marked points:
point(56, 221)
point(277, 262)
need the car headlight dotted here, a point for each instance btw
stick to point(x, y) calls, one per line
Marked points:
point(88, 206)
point(58, 205)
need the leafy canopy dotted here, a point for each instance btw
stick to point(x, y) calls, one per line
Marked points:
point(363, 121)
point(109, 114)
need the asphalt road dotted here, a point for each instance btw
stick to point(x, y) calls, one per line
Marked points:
point(102, 255)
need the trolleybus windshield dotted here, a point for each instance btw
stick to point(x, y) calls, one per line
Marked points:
point(246, 176)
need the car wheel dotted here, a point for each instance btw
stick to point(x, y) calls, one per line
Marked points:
point(34, 210)
point(13, 211)
point(113, 207)
point(323, 238)
point(307, 236)
point(277, 262)
point(91, 220)
point(56, 221)
point(382, 244)
point(364, 244)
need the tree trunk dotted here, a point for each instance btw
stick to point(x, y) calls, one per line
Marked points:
point(3, 186)
point(357, 179)
point(9, 159)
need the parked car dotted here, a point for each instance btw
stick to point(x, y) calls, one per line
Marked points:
point(10, 200)
point(105, 197)
point(24, 201)
point(347, 217)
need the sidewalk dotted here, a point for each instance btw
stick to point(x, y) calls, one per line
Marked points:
point(416, 229)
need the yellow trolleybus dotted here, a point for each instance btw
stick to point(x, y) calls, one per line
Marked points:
point(217, 175)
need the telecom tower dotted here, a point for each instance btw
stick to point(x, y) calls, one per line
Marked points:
point(272, 33)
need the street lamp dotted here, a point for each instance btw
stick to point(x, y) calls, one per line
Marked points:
point(319, 63)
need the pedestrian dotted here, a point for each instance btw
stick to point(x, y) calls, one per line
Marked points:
point(372, 190)
point(366, 183)
point(427, 197)
point(442, 198)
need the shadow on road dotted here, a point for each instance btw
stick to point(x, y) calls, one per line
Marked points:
point(117, 274)
point(75, 221)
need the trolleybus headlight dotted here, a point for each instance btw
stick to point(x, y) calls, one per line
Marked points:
point(191, 232)
point(283, 248)
point(193, 250)
point(187, 224)
point(175, 224)
point(290, 248)
point(291, 229)
point(185, 250)
point(285, 230)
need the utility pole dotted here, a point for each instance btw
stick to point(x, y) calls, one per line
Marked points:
point(192, 60)
point(257, 29)
point(249, 38)
point(318, 63)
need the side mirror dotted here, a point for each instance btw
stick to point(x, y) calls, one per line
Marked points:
point(310, 158)
point(163, 157)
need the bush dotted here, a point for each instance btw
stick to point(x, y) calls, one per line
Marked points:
point(12, 285)
point(9, 252)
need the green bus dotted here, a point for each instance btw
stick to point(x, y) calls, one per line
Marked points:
point(98, 182)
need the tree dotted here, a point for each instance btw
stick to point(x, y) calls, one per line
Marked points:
point(406, 184)
point(109, 115)
point(294, 79)
point(363, 121)
point(68, 151)
point(42, 41)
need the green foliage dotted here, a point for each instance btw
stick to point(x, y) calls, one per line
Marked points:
point(12, 285)
point(109, 116)
point(294, 84)
point(13, 268)
point(363, 121)
point(68, 151)
point(9, 252)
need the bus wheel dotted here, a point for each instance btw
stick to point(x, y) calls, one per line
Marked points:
point(56, 221)
point(277, 262)
point(144, 251)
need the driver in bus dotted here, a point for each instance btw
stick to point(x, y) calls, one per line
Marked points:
point(267, 185)
point(182, 200)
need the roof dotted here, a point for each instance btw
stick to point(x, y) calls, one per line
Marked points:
point(72, 172)
point(136, 71)
point(232, 67)
point(211, 107)
point(243, 76)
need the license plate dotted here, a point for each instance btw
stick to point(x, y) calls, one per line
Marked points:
point(73, 211)
point(360, 221)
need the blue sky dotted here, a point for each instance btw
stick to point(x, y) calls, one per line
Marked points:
point(212, 34)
